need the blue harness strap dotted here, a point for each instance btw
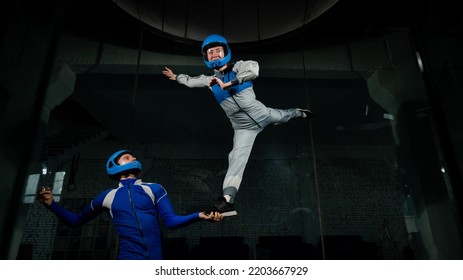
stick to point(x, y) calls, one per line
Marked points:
point(220, 94)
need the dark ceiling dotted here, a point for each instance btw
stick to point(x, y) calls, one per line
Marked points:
point(240, 21)
point(345, 20)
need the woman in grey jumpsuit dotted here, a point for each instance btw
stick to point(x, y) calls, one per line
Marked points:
point(231, 85)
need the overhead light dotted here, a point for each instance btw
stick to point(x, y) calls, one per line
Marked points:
point(388, 116)
point(44, 168)
point(420, 62)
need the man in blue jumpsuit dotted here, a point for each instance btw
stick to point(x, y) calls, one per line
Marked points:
point(231, 85)
point(134, 207)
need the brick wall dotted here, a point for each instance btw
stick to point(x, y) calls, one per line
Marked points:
point(363, 197)
point(358, 197)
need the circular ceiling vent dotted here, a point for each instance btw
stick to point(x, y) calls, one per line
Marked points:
point(240, 21)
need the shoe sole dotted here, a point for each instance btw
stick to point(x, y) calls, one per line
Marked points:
point(229, 214)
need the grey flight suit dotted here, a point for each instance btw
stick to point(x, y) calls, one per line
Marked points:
point(247, 115)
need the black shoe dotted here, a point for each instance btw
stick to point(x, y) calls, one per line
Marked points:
point(306, 113)
point(224, 208)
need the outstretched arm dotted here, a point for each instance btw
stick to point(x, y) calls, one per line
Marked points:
point(189, 81)
point(71, 219)
point(172, 220)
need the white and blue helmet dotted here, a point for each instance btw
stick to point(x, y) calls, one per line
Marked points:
point(114, 170)
point(215, 40)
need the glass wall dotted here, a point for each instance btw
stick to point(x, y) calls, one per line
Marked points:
point(376, 174)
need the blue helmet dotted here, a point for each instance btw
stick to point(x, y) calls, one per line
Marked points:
point(215, 40)
point(114, 170)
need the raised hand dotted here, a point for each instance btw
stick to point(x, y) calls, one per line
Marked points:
point(45, 195)
point(169, 74)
